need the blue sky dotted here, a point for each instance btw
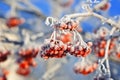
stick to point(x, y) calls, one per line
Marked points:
point(114, 10)
point(45, 7)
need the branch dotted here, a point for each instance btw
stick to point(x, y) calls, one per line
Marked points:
point(107, 46)
point(88, 14)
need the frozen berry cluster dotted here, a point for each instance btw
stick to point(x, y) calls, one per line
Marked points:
point(27, 60)
point(78, 50)
point(30, 52)
point(65, 39)
point(100, 46)
point(67, 25)
point(53, 49)
point(85, 68)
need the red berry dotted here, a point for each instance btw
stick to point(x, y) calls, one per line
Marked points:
point(14, 21)
point(65, 38)
point(24, 65)
point(23, 72)
point(105, 7)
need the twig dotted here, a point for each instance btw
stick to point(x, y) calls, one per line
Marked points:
point(109, 21)
point(106, 54)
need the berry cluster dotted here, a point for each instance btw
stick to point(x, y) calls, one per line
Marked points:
point(68, 25)
point(100, 45)
point(29, 53)
point(65, 39)
point(4, 55)
point(53, 49)
point(78, 50)
point(85, 68)
point(27, 60)
point(23, 68)
point(78, 47)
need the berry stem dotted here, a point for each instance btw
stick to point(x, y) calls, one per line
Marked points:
point(106, 54)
